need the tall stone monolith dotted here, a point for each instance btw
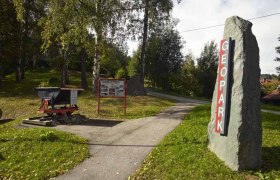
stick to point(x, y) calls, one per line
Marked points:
point(240, 149)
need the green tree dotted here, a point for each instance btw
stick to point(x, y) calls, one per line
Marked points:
point(28, 14)
point(163, 58)
point(278, 58)
point(72, 21)
point(133, 63)
point(207, 65)
point(84, 24)
point(155, 12)
point(65, 26)
point(9, 37)
point(186, 82)
point(113, 59)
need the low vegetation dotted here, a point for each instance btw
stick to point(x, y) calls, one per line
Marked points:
point(38, 153)
point(271, 107)
point(183, 154)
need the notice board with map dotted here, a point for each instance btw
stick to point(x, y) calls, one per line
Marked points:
point(111, 88)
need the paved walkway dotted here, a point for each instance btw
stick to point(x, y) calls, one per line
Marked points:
point(176, 98)
point(270, 111)
point(117, 149)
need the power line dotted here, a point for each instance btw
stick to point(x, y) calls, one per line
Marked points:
point(264, 16)
point(208, 27)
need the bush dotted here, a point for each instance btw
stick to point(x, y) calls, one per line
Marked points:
point(120, 73)
point(44, 84)
point(269, 86)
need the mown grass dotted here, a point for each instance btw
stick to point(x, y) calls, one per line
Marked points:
point(19, 100)
point(183, 154)
point(271, 107)
point(38, 153)
point(33, 153)
point(42, 153)
point(137, 107)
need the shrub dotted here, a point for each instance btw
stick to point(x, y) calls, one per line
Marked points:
point(44, 84)
point(120, 73)
point(269, 86)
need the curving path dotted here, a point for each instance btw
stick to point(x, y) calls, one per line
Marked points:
point(117, 149)
point(271, 111)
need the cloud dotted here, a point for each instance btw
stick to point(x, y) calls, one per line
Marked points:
point(200, 13)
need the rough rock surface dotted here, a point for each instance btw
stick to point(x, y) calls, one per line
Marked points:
point(241, 148)
point(134, 87)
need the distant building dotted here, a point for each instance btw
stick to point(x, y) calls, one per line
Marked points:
point(273, 97)
point(265, 80)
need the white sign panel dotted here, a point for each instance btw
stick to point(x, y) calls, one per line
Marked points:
point(112, 88)
point(74, 97)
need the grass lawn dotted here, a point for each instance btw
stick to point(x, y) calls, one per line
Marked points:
point(183, 154)
point(38, 153)
point(271, 107)
point(20, 100)
point(41, 153)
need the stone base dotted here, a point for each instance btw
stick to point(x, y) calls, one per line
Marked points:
point(134, 87)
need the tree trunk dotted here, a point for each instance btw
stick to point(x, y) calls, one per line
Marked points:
point(98, 40)
point(67, 80)
point(34, 62)
point(25, 39)
point(18, 74)
point(22, 72)
point(1, 76)
point(1, 60)
point(63, 75)
point(64, 69)
point(84, 83)
point(144, 44)
point(96, 70)
point(18, 67)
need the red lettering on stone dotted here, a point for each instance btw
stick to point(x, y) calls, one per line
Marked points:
point(222, 72)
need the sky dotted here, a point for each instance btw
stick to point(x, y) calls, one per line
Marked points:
point(193, 14)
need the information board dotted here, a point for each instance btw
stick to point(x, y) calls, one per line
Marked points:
point(112, 88)
point(222, 104)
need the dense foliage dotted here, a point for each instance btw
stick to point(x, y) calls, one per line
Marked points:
point(167, 69)
point(163, 58)
point(91, 36)
point(207, 65)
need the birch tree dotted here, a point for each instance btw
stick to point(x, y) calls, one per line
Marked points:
point(83, 23)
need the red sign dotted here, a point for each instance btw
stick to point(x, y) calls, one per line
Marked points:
point(112, 88)
point(221, 121)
